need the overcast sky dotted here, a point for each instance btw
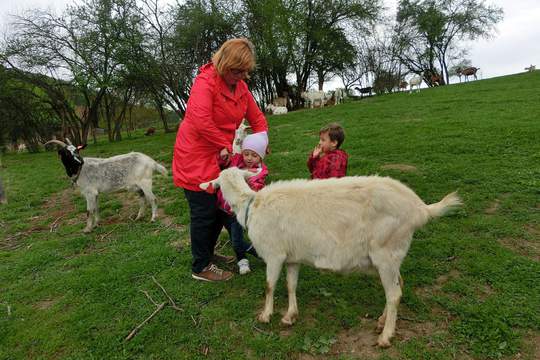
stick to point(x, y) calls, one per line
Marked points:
point(515, 45)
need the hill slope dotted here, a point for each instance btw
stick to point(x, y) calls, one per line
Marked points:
point(472, 281)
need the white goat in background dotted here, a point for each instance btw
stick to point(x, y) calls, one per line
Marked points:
point(415, 81)
point(346, 224)
point(276, 110)
point(131, 172)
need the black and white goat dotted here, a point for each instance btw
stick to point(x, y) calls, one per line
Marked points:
point(132, 172)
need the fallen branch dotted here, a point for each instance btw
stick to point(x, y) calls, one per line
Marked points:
point(171, 301)
point(107, 234)
point(149, 297)
point(134, 331)
point(54, 225)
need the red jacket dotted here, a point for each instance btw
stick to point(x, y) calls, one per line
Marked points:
point(256, 182)
point(332, 164)
point(212, 116)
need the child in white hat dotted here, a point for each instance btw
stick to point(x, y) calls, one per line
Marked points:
point(253, 152)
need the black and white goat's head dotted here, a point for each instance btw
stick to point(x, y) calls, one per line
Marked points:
point(69, 154)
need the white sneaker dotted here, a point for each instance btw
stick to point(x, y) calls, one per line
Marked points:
point(243, 267)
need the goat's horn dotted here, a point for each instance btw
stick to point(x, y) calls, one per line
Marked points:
point(68, 141)
point(56, 142)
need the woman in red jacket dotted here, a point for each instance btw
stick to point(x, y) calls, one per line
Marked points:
point(218, 102)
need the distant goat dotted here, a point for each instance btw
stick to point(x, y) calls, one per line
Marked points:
point(276, 110)
point(364, 90)
point(339, 94)
point(436, 80)
point(280, 102)
point(21, 148)
point(3, 199)
point(415, 81)
point(132, 172)
point(150, 131)
point(342, 225)
point(311, 97)
point(531, 68)
point(403, 85)
point(467, 72)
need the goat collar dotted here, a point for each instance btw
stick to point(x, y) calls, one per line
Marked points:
point(247, 211)
point(75, 177)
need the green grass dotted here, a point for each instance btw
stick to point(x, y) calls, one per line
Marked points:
point(472, 280)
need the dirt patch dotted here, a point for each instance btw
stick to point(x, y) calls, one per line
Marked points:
point(360, 341)
point(524, 247)
point(530, 349)
point(495, 204)
point(428, 292)
point(493, 207)
point(45, 304)
point(60, 209)
point(400, 167)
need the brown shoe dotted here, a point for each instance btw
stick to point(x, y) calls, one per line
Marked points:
point(223, 258)
point(212, 273)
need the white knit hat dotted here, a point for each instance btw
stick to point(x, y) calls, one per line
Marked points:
point(256, 142)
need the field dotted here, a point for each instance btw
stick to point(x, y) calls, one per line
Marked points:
point(472, 280)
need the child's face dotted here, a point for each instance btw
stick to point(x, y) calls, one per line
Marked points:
point(251, 158)
point(326, 144)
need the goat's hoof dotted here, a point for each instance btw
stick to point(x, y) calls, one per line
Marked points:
point(264, 318)
point(288, 320)
point(87, 230)
point(383, 343)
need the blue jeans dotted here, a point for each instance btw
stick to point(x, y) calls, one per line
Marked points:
point(236, 233)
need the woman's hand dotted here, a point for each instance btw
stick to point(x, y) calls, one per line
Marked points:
point(225, 155)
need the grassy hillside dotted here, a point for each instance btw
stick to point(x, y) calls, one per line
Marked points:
point(472, 280)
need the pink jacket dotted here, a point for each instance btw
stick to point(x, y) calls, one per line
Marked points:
point(256, 182)
point(212, 116)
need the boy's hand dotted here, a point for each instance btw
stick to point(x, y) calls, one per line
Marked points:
point(317, 151)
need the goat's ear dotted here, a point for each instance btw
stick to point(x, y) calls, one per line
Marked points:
point(206, 185)
point(80, 147)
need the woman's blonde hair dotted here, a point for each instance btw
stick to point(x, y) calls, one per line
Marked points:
point(234, 54)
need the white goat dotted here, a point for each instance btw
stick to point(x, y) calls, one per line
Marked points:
point(276, 110)
point(280, 101)
point(339, 94)
point(531, 68)
point(239, 136)
point(415, 81)
point(346, 224)
point(21, 148)
point(313, 96)
point(132, 172)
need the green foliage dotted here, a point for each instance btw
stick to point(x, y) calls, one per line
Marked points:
point(430, 31)
point(468, 293)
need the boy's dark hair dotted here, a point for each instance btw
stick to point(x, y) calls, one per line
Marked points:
point(335, 133)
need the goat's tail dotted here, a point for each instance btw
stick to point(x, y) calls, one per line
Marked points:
point(160, 168)
point(449, 203)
